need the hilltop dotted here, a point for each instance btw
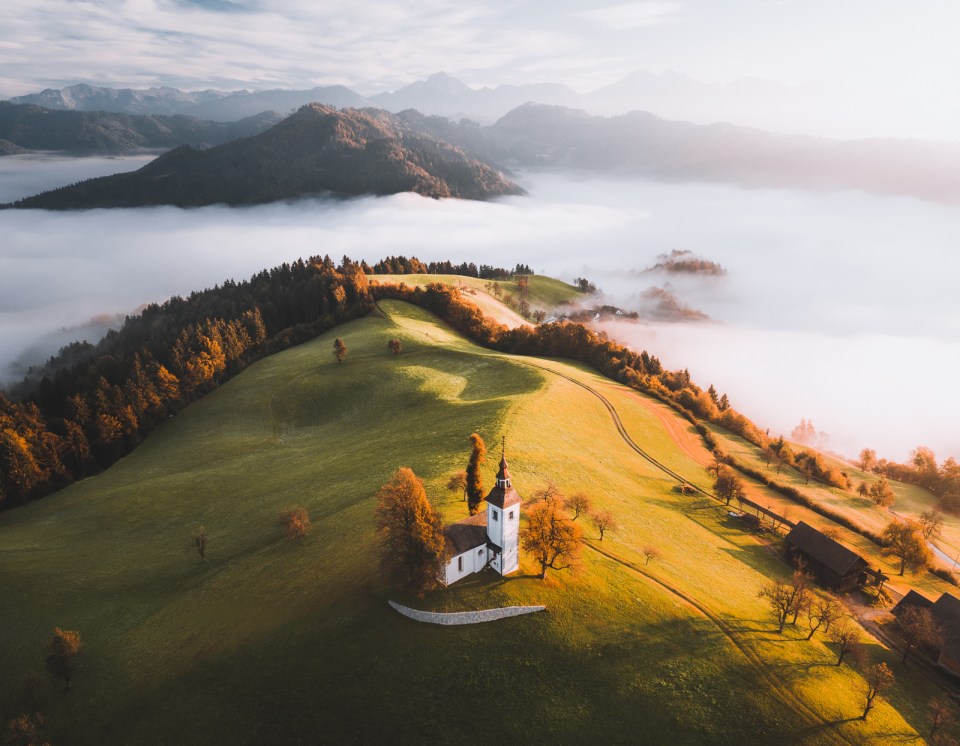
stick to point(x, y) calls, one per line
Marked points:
point(319, 150)
point(268, 640)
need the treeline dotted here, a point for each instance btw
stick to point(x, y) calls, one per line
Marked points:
point(942, 480)
point(87, 413)
point(400, 265)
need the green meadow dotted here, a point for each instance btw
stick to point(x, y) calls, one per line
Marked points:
point(269, 641)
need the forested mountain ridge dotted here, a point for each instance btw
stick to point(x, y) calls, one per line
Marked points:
point(315, 151)
point(84, 132)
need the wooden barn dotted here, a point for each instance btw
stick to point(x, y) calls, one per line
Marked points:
point(830, 562)
point(946, 612)
point(911, 599)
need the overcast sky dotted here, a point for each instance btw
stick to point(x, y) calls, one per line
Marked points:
point(886, 46)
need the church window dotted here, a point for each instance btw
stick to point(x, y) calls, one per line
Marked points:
point(511, 515)
point(494, 515)
point(460, 564)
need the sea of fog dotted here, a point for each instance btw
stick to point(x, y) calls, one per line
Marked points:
point(838, 307)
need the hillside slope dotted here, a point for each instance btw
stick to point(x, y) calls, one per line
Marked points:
point(317, 150)
point(269, 641)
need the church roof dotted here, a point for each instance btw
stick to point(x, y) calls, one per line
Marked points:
point(503, 495)
point(465, 535)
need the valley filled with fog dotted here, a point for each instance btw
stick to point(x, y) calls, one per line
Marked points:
point(837, 307)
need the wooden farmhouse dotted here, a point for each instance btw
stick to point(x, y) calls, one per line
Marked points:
point(491, 538)
point(946, 612)
point(831, 563)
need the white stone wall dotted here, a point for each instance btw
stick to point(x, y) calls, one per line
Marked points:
point(464, 617)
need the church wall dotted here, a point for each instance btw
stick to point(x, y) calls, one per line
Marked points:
point(474, 560)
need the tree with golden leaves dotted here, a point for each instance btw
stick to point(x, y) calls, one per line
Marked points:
point(296, 523)
point(410, 531)
point(458, 483)
point(603, 521)
point(551, 537)
point(474, 479)
point(904, 540)
point(578, 503)
point(63, 648)
point(339, 349)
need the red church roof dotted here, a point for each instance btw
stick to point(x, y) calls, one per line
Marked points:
point(503, 495)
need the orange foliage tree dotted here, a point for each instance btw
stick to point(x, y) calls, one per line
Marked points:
point(551, 537)
point(410, 531)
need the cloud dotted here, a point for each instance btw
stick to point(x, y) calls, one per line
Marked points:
point(634, 15)
point(837, 307)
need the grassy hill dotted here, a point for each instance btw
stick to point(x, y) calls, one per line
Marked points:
point(268, 641)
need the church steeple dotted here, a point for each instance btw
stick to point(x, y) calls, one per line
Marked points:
point(503, 476)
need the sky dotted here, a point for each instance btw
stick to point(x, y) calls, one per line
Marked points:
point(867, 47)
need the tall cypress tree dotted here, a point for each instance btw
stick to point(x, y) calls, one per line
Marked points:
point(474, 480)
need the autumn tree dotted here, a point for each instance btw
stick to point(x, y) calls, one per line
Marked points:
point(296, 523)
point(578, 503)
point(651, 553)
point(868, 459)
point(846, 637)
point(63, 648)
point(931, 523)
point(918, 628)
point(603, 521)
point(822, 611)
point(904, 540)
point(882, 494)
point(478, 455)
point(863, 490)
point(395, 346)
point(879, 679)
point(551, 537)
point(458, 483)
point(339, 349)
point(410, 532)
point(727, 485)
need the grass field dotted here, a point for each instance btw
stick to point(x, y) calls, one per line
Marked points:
point(271, 642)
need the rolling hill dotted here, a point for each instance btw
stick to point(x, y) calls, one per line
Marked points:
point(268, 641)
point(318, 150)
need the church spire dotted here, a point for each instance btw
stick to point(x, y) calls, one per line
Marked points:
point(503, 476)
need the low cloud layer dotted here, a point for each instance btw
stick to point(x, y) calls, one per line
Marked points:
point(835, 307)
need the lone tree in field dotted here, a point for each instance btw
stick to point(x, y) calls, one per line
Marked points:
point(474, 479)
point(726, 484)
point(822, 611)
point(931, 522)
point(339, 349)
point(879, 679)
point(904, 540)
point(603, 521)
point(578, 503)
point(296, 523)
point(410, 532)
point(458, 483)
point(553, 539)
point(846, 637)
point(881, 493)
point(200, 543)
point(651, 553)
point(395, 347)
point(918, 629)
point(63, 648)
point(786, 598)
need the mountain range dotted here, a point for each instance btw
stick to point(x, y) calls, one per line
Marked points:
point(669, 94)
point(317, 150)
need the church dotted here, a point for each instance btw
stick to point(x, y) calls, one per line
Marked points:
point(491, 538)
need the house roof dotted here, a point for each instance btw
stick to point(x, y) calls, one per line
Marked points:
point(947, 613)
point(911, 599)
point(465, 535)
point(830, 553)
point(503, 495)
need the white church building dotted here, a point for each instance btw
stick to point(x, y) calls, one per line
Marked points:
point(491, 538)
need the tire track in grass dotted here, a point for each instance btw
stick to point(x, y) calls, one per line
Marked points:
point(769, 676)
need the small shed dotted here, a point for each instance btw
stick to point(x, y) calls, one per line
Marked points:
point(911, 599)
point(831, 563)
point(946, 611)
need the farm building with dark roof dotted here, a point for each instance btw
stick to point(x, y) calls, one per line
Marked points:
point(831, 563)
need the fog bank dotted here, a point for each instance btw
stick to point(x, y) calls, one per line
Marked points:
point(835, 307)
